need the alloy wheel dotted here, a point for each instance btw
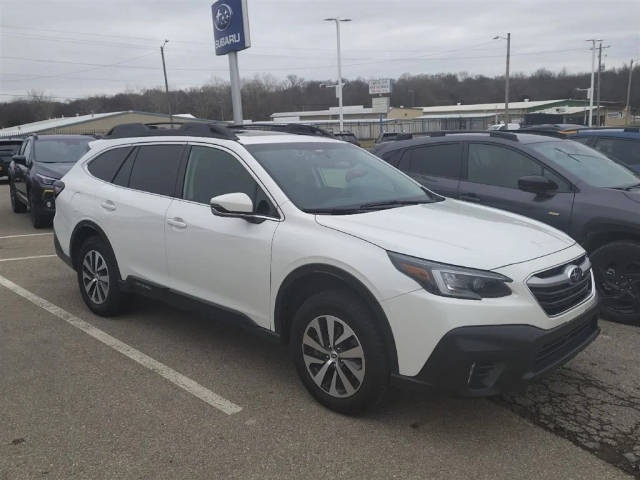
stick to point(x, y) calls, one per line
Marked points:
point(333, 356)
point(619, 285)
point(95, 276)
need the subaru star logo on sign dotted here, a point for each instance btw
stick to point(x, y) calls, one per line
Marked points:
point(230, 26)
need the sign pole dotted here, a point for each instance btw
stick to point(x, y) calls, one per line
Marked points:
point(236, 98)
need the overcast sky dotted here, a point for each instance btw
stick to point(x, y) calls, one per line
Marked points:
point(71, 49)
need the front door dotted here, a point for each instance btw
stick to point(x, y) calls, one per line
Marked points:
point(222, 260)
point(492, 173)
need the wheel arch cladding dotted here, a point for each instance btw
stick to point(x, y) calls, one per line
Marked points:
point(309, 279)
point(83, 230)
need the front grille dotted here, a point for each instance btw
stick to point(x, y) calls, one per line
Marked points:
point(556, 292)
point(557, 348)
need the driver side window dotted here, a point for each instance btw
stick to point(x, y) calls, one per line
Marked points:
point(212, 172)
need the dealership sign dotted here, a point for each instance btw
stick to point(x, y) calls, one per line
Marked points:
point(381, 86)
point(230, 26)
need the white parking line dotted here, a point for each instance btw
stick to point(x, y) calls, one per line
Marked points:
point(14, 259)
point(26, 235)
point(161, 369)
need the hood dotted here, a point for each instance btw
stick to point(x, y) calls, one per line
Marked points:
point(53, 170)
point(453, 232)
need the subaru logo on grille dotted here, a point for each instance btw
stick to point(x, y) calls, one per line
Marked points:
point(574, 273)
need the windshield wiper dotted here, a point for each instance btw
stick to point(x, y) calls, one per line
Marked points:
point(391, 204)
point(628, 187)
point(333, 211)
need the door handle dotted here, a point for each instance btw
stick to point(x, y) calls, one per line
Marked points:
point(469, 197)
point(177, 222)
point(108, 205)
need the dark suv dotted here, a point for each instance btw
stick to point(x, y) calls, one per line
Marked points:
point(41, 161)
point(619, 144)
point(8, 148)
point(557, 181)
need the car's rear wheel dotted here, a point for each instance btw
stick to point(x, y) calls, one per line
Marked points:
point(99, 277)
point(39, 219)
point(16, 205)
point(338, 352)
point(616, 267)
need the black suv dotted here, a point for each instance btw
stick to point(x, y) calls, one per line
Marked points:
point(8, 148)
point(41, 161)
point(558, 181)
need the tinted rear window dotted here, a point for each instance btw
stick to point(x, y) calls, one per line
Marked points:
point(436, 160)
point(61, 150)
point(106, 165)
point(156, 168)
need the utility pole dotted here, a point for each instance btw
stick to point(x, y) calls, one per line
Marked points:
point(593, 67)
point(628, 106)
point(166, 83)
point(506, 79)
point(600, 47)
point(337, 20)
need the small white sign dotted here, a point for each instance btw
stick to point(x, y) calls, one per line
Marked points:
point(380, 104)
point(380, 86)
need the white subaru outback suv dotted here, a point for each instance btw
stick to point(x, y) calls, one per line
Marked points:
point(365, 274)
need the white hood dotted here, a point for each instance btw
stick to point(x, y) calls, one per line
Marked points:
point(453, 232)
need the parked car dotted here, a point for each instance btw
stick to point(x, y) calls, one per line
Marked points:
point(41, 160)
point(554, 180)
point(392, 136)
point(8, 148)
point(502, 126)
point(619, 144)
point(347, 137)
point(366, 274)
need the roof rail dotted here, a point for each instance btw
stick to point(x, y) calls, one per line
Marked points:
point(292, 128)
point(632, 129)
point(505, 135)
point(187, 129)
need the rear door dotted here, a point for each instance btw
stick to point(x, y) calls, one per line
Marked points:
point(436, 166)
point(491, 178)
point(133, 209)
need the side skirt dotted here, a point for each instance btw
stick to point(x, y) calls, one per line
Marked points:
point(183, 301)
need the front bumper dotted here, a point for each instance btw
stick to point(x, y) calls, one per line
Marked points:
point(487, 360)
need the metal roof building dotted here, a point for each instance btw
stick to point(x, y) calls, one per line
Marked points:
point(94, 123)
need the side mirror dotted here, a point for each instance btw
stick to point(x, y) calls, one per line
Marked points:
point(19, 159)
point(237, 205)
point(537, 184)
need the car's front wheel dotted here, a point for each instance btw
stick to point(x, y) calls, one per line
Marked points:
point(16, 205)
point(99, 277)
point(616, 267)
point(339, 352)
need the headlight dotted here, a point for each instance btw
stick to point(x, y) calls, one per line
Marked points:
point(452, 281)
point(42, 180)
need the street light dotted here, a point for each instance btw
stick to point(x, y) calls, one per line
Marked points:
point(337, 20)
point(506, 84)
point(166, 84)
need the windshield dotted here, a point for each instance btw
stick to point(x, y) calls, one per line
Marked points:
point(61, 150)
point(9, 149)
point(337, 177)
point(587, 164)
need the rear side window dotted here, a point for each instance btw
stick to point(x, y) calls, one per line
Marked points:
point(436, 160)
point(156, 168)
point(106, 165)
point(212, 172)
point(622, 151)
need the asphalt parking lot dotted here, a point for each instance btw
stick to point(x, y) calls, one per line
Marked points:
point(129, 397)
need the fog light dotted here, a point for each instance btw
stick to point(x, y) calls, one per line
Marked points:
point(49, 205)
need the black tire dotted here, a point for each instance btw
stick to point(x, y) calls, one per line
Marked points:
point(39, 219)
point(16, 205)
point(107, 302)
point(352, 312)
point(616, 267)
